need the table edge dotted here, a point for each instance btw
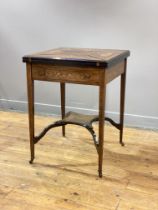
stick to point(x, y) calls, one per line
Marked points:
point(77, 62)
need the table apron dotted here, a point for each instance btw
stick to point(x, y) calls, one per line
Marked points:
point(90, 76)
point(80, 75)
point(114, 72)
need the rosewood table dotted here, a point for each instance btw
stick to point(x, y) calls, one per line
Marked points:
point(79, 66)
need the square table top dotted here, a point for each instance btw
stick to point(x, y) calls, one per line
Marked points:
point(78, 57)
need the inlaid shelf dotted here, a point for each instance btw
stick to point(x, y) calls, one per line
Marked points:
point(83, 120)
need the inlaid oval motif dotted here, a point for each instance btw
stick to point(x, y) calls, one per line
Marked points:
point(41, 72)
point(85, 76)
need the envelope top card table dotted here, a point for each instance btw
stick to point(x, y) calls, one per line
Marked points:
point(78, 66)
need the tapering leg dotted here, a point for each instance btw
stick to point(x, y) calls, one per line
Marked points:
point(122, 102)
point(62, 93)
point(102, 92)
point(30, 88)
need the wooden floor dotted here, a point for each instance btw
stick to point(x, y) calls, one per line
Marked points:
point(64, 174)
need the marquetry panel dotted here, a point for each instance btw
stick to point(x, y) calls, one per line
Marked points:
point(82, 75)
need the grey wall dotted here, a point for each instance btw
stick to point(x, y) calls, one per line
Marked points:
point(28, 26)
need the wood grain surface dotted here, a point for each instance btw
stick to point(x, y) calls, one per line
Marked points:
point(63, 176)
point(85, 56)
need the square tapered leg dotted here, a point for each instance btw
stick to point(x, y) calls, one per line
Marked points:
point(62, 93)
point(30, 87)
